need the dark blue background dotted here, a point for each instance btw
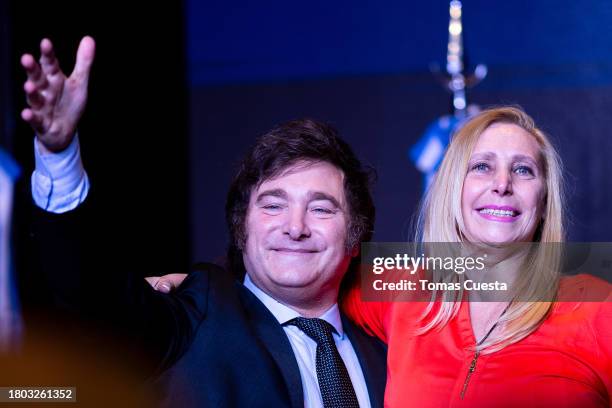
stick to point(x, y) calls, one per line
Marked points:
point(253, 41)
point(364, 67)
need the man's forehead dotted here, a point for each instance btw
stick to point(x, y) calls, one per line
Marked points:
point(298, 167)
point(309, 177)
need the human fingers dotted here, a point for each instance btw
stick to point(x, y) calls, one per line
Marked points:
point(33, 95)
point(33, 119)
point(85, 58)
point(48, 61)
point(166, 283)
point(33, 71)
point(158, 285)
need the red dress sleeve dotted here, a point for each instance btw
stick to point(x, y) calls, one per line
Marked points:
point(602, 326)
point(370, 316)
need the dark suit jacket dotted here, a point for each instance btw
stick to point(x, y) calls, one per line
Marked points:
point(223, 347)
point(241, 356)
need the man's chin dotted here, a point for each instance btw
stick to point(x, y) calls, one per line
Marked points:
point(293, 280)
point(293, 265)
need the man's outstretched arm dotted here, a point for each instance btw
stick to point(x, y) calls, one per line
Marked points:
point(82, 269)
point(55, 106)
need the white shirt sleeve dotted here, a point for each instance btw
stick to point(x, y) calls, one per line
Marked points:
point(59, 181)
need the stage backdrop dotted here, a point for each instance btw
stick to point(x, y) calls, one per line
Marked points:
point(363, 66)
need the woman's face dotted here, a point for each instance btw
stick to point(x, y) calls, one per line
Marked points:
point(504, 190)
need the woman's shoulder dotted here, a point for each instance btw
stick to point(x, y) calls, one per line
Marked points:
point(584, 288)
point(585, 295)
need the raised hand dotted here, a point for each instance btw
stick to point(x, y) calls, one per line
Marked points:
point(56, 102)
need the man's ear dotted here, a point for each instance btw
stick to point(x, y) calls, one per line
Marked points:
point(355, 251)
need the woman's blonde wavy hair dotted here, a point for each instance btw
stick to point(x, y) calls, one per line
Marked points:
point(440, 220)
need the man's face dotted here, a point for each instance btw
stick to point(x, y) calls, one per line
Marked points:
point(296, 228)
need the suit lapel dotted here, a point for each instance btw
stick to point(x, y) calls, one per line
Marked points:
point(275, 340)
point(372, 358)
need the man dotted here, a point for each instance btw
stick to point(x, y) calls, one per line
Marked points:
point(297, 211)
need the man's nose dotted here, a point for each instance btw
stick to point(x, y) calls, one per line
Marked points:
point(296, 225)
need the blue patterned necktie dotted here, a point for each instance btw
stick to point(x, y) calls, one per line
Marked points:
point(334, 381)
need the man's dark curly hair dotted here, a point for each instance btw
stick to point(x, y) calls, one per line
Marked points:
point(283, 146)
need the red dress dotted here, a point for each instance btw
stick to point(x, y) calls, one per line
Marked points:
point(566, 362)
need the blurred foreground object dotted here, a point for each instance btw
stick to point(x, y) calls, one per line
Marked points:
point(10, 319)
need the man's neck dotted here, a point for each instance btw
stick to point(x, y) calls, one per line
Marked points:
point(298, 299)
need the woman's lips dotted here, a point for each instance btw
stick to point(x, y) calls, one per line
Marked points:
point(499, 213)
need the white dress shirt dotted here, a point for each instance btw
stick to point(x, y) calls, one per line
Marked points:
point(59, 181)
point(305, 349)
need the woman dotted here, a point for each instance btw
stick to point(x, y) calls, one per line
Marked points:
point(499, 183)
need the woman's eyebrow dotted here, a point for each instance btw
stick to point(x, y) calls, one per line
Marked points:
point(483, 155)
point(523, 157)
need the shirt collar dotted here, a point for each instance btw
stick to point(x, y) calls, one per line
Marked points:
point(284, 313)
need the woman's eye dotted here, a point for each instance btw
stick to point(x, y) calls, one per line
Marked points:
point(523, 171)
point(481, 167)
